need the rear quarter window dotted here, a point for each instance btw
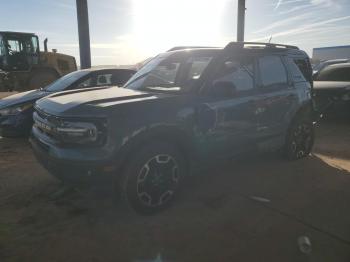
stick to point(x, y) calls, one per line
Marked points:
point(296, 71)
point(304, 67)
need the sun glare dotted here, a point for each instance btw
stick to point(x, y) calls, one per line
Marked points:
point(161, 24)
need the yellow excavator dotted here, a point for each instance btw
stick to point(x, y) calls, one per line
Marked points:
point(22, 65)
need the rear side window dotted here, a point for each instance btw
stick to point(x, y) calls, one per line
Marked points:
point(295, 70)
point(304, 68)
point(334, 74)
point(272, 71)
point(103, 79)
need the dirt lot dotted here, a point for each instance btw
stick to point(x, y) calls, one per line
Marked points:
point(217, 218)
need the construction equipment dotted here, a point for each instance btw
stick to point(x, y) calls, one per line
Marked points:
point(22, 65)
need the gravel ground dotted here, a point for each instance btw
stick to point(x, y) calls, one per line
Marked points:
point(241, 210)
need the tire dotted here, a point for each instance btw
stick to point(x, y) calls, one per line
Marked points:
point(152, 178)
point(41, 78)
point(300, 138)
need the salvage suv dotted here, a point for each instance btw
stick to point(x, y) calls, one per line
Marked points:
point(181, 107)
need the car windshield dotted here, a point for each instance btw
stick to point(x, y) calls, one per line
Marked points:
point(163, 72)
point(62, 83)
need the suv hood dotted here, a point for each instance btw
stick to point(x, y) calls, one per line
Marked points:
point(84, 101)
point(21, 98)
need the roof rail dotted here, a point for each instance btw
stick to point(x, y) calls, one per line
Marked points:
point(188, 47)
point(266, 45)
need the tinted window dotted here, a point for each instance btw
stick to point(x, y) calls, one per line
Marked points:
point(197, 66)
point(86, 83)
point(272, 71)
point(296, 73)
point(334, 74)
point(104, 79)
point(304, 68)
point(239, 73)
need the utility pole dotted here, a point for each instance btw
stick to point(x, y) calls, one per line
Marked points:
point(240, 20)
point(84, 35)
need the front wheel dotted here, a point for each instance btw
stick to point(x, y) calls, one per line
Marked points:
point(152, 177)
point(300, 138)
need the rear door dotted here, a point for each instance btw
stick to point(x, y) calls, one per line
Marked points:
point(277, 97)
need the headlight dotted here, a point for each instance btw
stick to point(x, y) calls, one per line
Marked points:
point(15, 109)
point(77, 132)
point(89, 133)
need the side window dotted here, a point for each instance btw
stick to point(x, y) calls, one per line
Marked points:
point(35, 44)
point(2, 47)
point(237, 72)
point(304, 68)
point(272, 71)
point(296, 72)
point(197, 66)
point(104, 79)
point(86, 83)
point(14, 46)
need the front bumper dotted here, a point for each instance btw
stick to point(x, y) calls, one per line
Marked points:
point(71, 165)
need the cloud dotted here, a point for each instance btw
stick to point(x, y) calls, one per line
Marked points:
point(283, 23)
point(327, 3)
point(309, 28)
point(295, 8)
point(278, 4)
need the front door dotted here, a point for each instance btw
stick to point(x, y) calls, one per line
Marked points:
point(226, 120)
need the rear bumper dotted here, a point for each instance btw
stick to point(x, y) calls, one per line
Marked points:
point(72, 171)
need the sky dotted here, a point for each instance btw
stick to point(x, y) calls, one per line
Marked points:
point(129, 31)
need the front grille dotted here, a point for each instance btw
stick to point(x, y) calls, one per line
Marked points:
point(45, 123)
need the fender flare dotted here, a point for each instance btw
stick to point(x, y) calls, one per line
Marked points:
point(180, 138)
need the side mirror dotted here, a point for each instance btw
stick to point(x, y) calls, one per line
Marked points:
point(223, 89)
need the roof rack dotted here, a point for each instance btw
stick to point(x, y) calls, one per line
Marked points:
point(188, 47)
point(266, 45)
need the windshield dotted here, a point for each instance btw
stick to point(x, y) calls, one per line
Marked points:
point(171, 72)
point(64, 82)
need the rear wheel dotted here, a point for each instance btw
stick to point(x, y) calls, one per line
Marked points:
point(152, 178)
point(300, 138)
point(41, 78)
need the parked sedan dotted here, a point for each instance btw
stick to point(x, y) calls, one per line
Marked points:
point(16, 110)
